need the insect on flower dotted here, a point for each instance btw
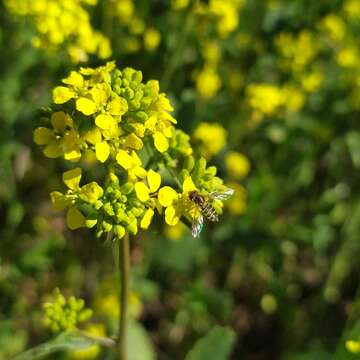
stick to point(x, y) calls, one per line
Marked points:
point(206, 208)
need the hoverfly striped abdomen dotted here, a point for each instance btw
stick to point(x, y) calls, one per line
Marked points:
point(205, 206)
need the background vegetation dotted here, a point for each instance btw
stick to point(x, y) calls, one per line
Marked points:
point(280, 83)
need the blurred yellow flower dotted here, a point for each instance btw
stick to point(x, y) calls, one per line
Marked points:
point(237, 203)
point(152, 38)
point(348, 57)
point(312, 81)
point(266, 98)
point(353, 346)
point(175, 232)
point(208, 82)
point(334, 26)
point(211, 138)
point(93, 351)
point(352, 9)
point(237, 165)
point(63, 22)
point(179, 4)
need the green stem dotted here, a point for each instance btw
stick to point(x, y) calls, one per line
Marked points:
point(124, 270)
point(177, 55)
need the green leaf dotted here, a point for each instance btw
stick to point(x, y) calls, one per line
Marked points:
point(216, 345)
point(64, 342)
point(139, 344)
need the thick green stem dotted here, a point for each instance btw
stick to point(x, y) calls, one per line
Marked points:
point(124, 270)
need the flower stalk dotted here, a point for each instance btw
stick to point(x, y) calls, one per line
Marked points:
point(124, 275)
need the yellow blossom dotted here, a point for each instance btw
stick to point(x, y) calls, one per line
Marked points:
point(208, 82)
point(237, 165)
point(152, 39)
point(211, 138)
point(353, 346)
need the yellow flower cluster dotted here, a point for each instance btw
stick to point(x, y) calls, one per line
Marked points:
point(136, 31)
point(224, 12)
point(268, 100)
point(225, 15)
point(338, 32)
point(296, 52)
point(63, 22)
point(114, 118)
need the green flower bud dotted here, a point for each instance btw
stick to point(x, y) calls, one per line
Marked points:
point(85, 315)
point(109, 209)
point(141, 116)
point(132, 227)
point(189, 163)
point(137, 76)
point(90, 223)
point(127, 188)
point(119, 231)
point(129, 93)
point(137, 211)
point(106, 226)
point(146, 102)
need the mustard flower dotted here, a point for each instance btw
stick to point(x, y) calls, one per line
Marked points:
point(125, 124)
point(353, 346)
point(210, 137)
point(266, 98)
point(62, 23)
point(208, 82)
point(152, 38)
point(237, 165)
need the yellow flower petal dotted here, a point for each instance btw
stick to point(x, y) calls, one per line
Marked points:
point(160, 141)
point(133, 142)
point(169, 131)
point(154, 180)
point(105, 122)
point(147, 218)
point(99, 95)
point(62, 94)
point(53, 149)
point(139, 172)
point(75, 219)
point(142, 191)
point(188, 185)
point(59, 201)
point(91, 192)
point(43, 135)
point(75, 79)
point(171, 217)
point(167, 195)
point(102, 151)
point(124, 159)
point(86, 106)
point(59, 120)
point(72, 155)
point(72, 178)
point(93, 136)
point(118, 106)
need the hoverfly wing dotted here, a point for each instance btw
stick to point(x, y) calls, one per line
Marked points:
point(197, 226)
point(222, 195)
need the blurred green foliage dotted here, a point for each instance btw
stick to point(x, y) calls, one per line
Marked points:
point(284, 276)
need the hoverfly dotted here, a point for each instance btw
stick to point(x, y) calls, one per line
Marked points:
point(206, 208)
